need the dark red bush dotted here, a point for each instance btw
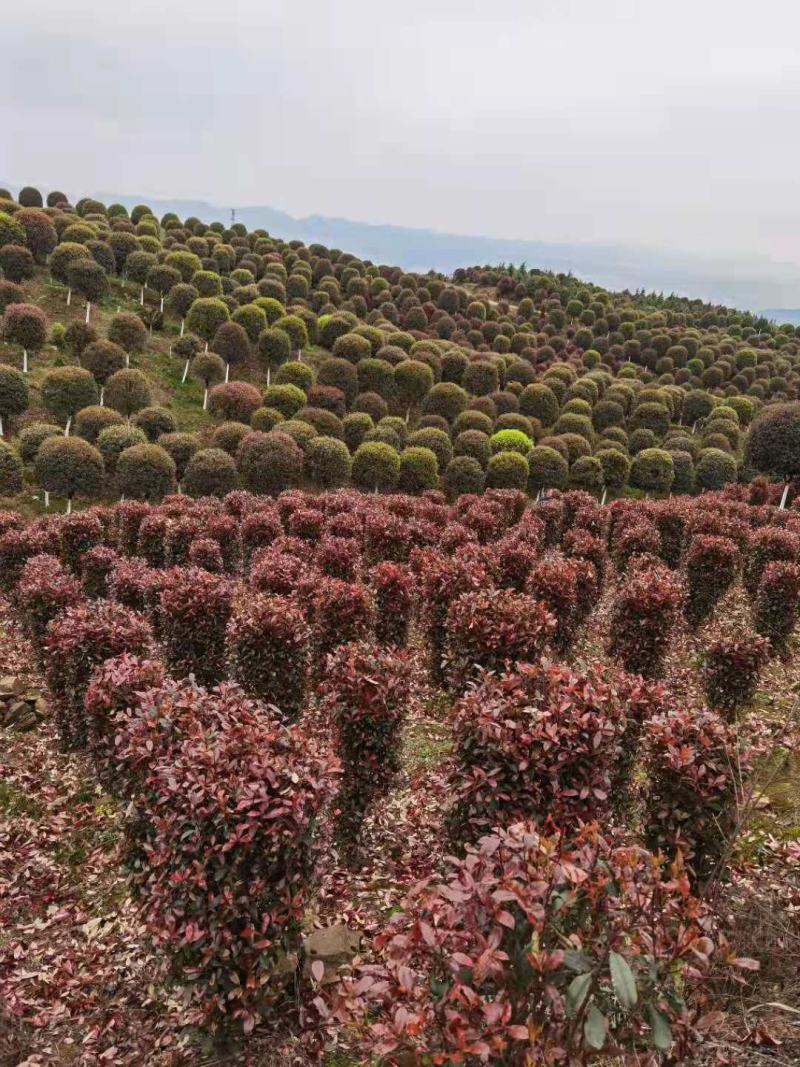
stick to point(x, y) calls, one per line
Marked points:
point(277, 573)
point(79, 532)
point(132, 581)
point(777, 603)
point(366, 696)
point(205, 552)
point(442, 579)
point(259, 529)
point(224, 836)
point(536, 951)
point(341, 612)
point(306, 523)
point(643, 617)
point(554, 582)
point(78, 641)
point(511, 560)
point(111, 702)
point(768, 545)
point(267, 643)
point(492, 629)
point(96, 567)
point(194, 608)
point(731, 669)
point(580, 544)
point(695, 764)
point(637, 539)
point(339, 557)
point(392, 589)
point(150, 541)
point(129, 517)
point(44, 589)
point(712, 564)
point(540, 741)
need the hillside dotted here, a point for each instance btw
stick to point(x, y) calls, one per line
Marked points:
point(498, 377)
point(424, 693)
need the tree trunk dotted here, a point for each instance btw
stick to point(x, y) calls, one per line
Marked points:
point(185, 372)
point(785, 495)
point(127, 359)
point(227, 371)
point(102, 395)
point(603, 498)
point(24, 360)
point(69, 505)
point(88, 309)
point(269, 374)
point(1, 425)
point(183, 323)
point(47, 498)
point(205, 399)
point(66, 428)
point(141, 297)
point(161, 306)
point(69, 296)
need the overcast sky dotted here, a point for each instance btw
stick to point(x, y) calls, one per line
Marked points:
point(672, 125)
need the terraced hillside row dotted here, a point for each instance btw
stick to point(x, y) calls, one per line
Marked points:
point(174, 353)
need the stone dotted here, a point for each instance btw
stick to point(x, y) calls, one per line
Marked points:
point(334, 945)
point(11, 685)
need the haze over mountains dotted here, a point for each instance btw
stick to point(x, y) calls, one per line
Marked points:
point(756, 284)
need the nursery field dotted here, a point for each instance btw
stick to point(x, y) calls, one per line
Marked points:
point(395, 669)
point(357, 779)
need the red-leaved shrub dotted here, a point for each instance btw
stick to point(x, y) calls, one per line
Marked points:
point(392, 588)
point(79, 532)
point(366, 696)
point(768, 545)
point(341, 612)
point(492, 629)
point(339, 557)
point(643, 616)
point(731, 669)
point(554, 582)
point(267, 642)
point(712, 564)
point(79, 640)
point(223, 860)
point(111, 700)
point(531, 950)
point(443, 579)
point(777, 603)
point(695, 764)
point(194, 608)
point(96, 567)
point(44, 589)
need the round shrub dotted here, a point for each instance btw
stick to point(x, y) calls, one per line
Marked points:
point(229, 435)
point(507, 470)
point(376, 466)
point(548, 469)
point(288, 399)
point(446, 399)
point(235, 400)
point(714, 469)
point(127, 391)
point(652, 471)
point(210, 472)
point(10, 471)
point(510, 441)
point(128, 332)
point(328, 462)
point(194, 609)
point(587, 473)
point(90, 422)
point(538, 401)
point(145, 472)
point(773, 441)
point(69, 466)
point(113, 440)
point(14, 395)
point(269, 462)
point(16, 263)
point(266, 419)
point(616, 467)
point(32, 437)
point(180, 447)
point(205, 317)
point(419, 470)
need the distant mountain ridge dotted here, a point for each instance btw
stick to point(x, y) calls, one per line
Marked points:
point(751, 285)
